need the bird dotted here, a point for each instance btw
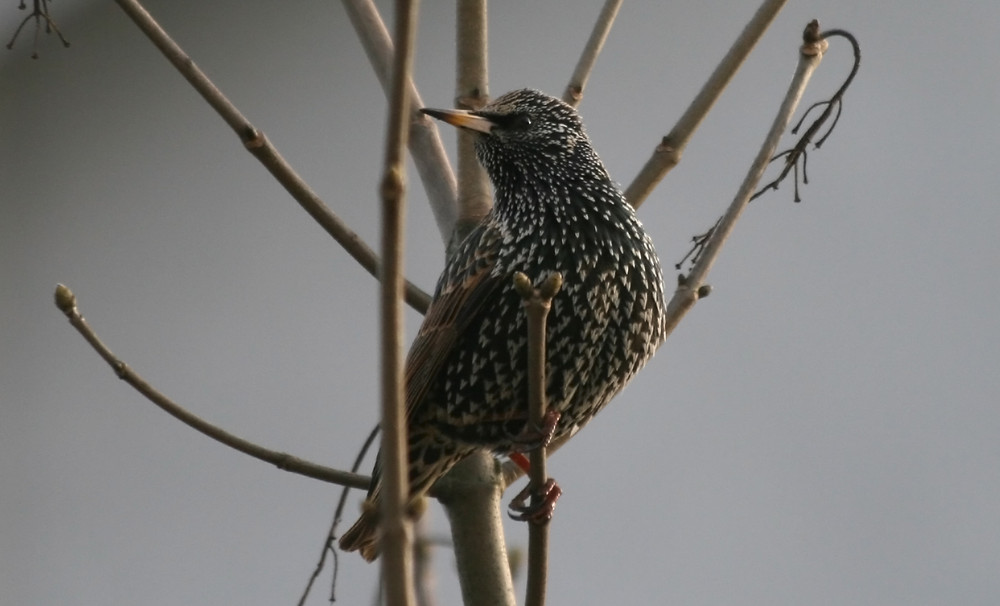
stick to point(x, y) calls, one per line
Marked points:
point(556, 210)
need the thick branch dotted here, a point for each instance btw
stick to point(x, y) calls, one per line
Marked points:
point(262, 149)
point(578, 81)
point(475, 197)
point(667, 154)
point(396, 525)
point(66, 302)
point(471, 494)
point(471, 491)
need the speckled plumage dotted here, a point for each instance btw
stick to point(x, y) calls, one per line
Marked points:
point(556, 209)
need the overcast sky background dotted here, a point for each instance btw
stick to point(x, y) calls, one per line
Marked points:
point(823, 429)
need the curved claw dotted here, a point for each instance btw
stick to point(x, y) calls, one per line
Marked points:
point(542, 505)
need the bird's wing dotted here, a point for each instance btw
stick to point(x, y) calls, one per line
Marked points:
point(459, 300)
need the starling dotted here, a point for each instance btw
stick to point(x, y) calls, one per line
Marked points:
point(556, 209)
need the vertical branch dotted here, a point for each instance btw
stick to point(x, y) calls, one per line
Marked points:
point(574, 90)
point(397, 528)
point(667, 154)
point(471, 491)
point(471, 92)
point(471, 495)
point(537, 302)
point(692, 286)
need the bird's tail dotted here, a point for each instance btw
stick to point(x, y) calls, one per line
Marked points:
point(424, 470)
point(363, 536)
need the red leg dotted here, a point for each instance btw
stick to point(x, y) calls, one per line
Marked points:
point(521, 461)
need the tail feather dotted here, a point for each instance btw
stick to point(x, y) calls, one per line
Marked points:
point(424, 470)
point(363, 536)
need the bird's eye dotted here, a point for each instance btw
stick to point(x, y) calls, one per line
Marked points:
point(521, 122)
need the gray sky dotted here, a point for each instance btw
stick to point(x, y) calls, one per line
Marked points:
point(823, 429)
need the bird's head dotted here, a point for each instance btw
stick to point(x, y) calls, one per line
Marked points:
point(526, 132)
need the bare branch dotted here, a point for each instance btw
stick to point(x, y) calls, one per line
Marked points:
point(262, 149)
point(40, 12)
point(578, 81)
point(470, 492)
point(66, 302)
point(475, 196)
point(668, 153)
point(692, 286)
point(395, 522)
point(471, 495)
point(834, 103)
point(331, 535)
point(537, 302)
point(425, 144)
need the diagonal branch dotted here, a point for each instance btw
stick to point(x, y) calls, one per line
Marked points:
point(262, 149)
point(668, 153)
point(692, 286)
point(425, 144)
point(578, 81)
point(66, 302)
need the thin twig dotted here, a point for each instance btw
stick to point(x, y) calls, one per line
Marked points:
point(331, 535)
point(395, 523)
point(537, 302)
point(66, 302)
point(40, 12)
point(578, 81)
point(425, 145)
point(668, 153)
point(834, 103)
point(262, 149)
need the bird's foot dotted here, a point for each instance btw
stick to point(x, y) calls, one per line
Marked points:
point(537, 437)
point(543, 503)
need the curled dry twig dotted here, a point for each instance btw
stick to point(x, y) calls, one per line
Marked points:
point(812, 39)
point(831, 105)
point(40, 13)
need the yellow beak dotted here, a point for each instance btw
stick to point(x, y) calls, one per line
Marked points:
point(461, 119)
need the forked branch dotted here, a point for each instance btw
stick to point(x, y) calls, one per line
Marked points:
point(831, 105)
point(813, 41)
point(40, 13)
